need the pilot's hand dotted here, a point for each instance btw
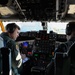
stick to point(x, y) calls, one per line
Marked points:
point(23, 56)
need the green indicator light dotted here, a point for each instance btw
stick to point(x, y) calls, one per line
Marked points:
point(35, 54)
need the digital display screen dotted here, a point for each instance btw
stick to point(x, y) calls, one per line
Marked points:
point(25, 44)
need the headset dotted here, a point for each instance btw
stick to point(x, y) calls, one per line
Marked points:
point(70, 27)
point(11, 27)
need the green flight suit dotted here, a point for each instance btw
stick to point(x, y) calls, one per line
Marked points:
point(15, 54)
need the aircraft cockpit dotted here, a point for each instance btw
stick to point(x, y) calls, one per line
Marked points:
point(38, 41)
point(42, 24)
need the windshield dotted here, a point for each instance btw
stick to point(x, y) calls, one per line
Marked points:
point(57, 27)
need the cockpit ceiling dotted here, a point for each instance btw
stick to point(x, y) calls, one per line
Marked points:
point(37, 10)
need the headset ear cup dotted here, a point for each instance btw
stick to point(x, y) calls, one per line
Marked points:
point(10, 30)
point(68, 30)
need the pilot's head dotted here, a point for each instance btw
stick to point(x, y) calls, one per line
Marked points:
point(70, 30)
point(12, 30)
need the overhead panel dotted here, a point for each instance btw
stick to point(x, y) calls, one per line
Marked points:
point(61, 8)
point(69, 14)
point(39, 10)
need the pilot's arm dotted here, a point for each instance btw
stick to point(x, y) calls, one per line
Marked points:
point(15, 56)
point(61, 48)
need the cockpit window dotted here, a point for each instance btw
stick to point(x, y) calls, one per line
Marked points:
point(57, 27)
point(28, 26)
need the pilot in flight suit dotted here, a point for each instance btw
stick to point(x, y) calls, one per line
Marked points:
point(65, 47)
point(9, 37)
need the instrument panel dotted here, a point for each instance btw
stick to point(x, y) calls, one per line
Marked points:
point(40, 47)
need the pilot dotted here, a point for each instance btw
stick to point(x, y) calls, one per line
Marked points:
point(64, 47)
point(9, 37)
point(70, 35)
